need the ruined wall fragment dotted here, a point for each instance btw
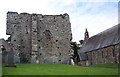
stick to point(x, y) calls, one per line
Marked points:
point(45, 37)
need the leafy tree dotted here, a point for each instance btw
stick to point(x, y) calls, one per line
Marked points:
point(81, 42)
point(4, 52)
point(75, 47)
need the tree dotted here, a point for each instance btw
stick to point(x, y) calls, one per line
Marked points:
point(4, 52)
point(75, 47)
point(81, 42)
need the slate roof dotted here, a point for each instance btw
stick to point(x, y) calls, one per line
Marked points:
point(103, 39)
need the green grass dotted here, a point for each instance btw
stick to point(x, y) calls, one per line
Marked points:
point(56, 69)
point(106, 65)
point(0, 69)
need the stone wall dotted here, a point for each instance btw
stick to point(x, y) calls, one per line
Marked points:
point(82, 63)
point(19, 27)
point(54, 38)
point(105, 55)
point(44, 37)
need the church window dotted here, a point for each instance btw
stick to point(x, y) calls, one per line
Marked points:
point(102, 54)
point(113, 51)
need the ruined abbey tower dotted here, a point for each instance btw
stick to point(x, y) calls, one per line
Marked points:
point(45, 37)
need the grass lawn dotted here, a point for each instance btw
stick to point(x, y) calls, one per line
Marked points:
point(106, 65)
point(56, 69)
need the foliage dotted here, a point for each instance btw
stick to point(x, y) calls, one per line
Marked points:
point(81, 42)
point(75, 47)
point(56, 69)
point(4, 52)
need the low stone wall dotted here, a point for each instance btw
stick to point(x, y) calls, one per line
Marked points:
point(104, 55)
point(82, 63)
point(5, 59)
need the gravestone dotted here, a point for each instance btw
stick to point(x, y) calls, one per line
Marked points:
point(10, 60)
point(37, 61)
point(72, 62)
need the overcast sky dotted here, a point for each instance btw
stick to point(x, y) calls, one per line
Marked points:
point(95, 16)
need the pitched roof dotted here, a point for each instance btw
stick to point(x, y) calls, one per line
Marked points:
point(103, 39)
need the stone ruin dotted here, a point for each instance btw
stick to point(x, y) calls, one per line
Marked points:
point(4, 45)
point(43, 38)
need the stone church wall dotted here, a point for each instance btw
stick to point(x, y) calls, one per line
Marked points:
point(105, 55)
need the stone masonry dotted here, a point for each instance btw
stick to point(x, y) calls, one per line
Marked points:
point(45, 37)
point(105, 55)
point(102, 48)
